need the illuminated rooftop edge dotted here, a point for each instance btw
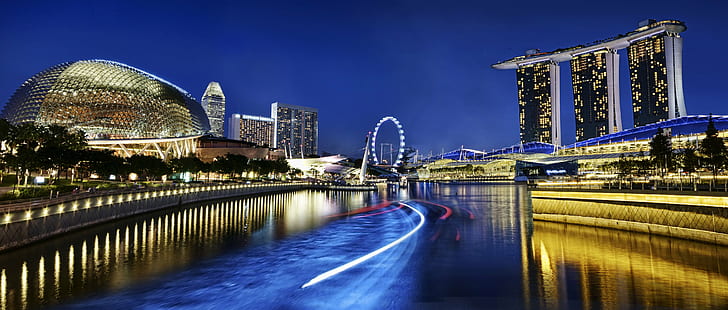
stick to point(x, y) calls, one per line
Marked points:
point(618, 42)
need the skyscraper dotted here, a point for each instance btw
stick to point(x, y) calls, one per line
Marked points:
point(538, 102)
point(256, 129)
point(233, 127)
point(655, 65)
point(295, 129)
point(596, 93)
point(213, 101)
point(655, 61)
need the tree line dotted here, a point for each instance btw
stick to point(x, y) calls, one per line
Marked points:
point(54, 150)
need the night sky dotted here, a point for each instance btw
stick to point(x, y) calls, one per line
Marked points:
point(425, 62)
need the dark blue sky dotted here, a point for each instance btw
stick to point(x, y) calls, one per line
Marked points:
point(425, 62)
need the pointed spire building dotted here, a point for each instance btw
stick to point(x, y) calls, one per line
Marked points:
point(213, 101)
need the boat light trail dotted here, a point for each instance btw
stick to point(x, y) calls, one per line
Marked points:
point(364, 258)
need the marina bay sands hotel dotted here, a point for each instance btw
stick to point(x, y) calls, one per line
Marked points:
point(654, 51)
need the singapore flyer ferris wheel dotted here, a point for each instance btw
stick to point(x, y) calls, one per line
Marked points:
point(400, 132)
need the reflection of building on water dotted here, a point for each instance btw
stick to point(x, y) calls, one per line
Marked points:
point(115, 255)
point(618, 269)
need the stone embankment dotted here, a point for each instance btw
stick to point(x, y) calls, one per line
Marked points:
point(688, 215)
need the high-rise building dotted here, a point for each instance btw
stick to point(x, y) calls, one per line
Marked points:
point(233, 127)
point(655, 61)
point(538, 102)
point(596, 93)
point(655, 65)
point(256, 129)
point(213, 101)
point(295, 129)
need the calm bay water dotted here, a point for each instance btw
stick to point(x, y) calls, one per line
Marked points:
point(476, 249)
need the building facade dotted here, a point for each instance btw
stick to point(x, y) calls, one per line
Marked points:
point(655, 60)
point(213, 101)
point(655, 65)
point(256, 129)
point(538, 102)
point(107, 100)
point(233, 127)
point(295, 129)
point(595, 84)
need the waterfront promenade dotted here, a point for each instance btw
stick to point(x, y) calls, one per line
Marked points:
point(30, 221)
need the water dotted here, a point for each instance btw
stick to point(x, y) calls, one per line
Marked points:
point(258, 252)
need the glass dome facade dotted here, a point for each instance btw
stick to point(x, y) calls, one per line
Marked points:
point(107, 100)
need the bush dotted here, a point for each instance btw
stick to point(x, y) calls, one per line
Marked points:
point(25, 193)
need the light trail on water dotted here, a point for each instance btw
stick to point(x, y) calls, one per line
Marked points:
point(366, 257)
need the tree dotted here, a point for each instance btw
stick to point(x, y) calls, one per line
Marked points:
point(104, 163)
point(661, 152)
point(407, 158)
point(262, 167)
point(280, 166)
point(688, 159)
point(5, 129)
point(148, 167)
point(24, 141)
point(186, 164)
point(712, 149)
point(62, 149)
point(238, 163)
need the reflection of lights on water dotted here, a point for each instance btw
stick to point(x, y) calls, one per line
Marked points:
point(70, 263)
point(96, 250)
point(126, 240)
point(83, 261)
point(107, 248)
point(57, 274)
point(41, 277)
point(213, 222)
point(116, 246)
point(3, 290)
point(24, 283)
point(366, 257)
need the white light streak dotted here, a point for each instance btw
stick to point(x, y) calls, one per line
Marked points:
point(364, 258)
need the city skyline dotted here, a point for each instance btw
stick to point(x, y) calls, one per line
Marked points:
point(426, 63)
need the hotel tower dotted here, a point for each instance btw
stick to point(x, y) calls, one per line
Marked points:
point(655, 61)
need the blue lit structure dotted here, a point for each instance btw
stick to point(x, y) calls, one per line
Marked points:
point(470, 154)
point(682, 126)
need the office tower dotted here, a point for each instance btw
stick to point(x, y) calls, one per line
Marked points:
point(596, 93)
point(655, 65)
point(233, 127)
point(538, 102)
point(256, 129)
point(295, 129)
point(213, 101)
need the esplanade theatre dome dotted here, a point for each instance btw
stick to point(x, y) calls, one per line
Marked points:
point(107, 100)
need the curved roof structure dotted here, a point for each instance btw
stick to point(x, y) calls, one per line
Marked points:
point(681, 126)
point(470, 154)
point(107, 100)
